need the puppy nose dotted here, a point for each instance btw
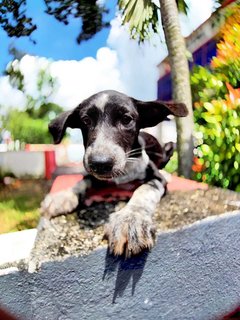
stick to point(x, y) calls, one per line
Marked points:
point(101, 164)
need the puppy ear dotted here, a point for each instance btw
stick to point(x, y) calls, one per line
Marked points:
point(58, 126)
point(153, 112)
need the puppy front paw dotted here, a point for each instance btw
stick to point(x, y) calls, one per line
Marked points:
point(59, 203)
point(129, 230)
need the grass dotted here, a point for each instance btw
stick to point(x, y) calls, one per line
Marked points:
point(19, 204)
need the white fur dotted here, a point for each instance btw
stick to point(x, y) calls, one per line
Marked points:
point(134, 170)
point(101, 101)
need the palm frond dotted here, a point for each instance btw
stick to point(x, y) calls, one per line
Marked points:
point(142, 17)
point(182, 6)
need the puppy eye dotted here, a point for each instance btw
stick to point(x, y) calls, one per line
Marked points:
point(87, 121)
point(126, 119)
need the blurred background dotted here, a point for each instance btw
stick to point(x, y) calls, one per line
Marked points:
point(54, 54)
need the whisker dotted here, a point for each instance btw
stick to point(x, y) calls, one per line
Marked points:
point(118, 173)
point(155, 153)
point(124, 172)
point(140, 149)
point(132, 160)
point(135, 153)
point(134, 150)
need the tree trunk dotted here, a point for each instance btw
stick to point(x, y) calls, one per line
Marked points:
point(180, 83)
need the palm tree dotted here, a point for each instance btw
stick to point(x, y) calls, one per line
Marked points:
point(180, 83)
point(143, 19)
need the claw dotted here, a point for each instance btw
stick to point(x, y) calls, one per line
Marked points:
point(129, 233)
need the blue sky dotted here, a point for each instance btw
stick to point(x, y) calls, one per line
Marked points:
point(54, 39)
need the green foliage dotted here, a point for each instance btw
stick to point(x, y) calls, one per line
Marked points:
point(216, 97)
point(217, 133)
point(207, 85)
point(26, 129)
point(46, 111)
point(218, 138)
point(37, 107)
point(45, 84)
point(231, 71)
point(14, 20)
point(228, 48)
point(182, 6)
point(90, 13)
point(172, 164)
point(31, 125)
point(142, 17)
point(210, 83)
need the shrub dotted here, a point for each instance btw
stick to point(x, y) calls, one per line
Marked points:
point(217, 110)
point(26, 129)
point(207, 85)
point(218, 141)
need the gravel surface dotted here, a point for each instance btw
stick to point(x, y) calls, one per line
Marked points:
point(81, 232)
point(178, 209)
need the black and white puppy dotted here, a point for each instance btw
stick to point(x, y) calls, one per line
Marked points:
point(116, 150)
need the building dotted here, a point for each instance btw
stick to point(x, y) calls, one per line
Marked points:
point(201, 44)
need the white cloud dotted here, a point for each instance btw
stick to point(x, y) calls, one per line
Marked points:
point(75, 80)
point(124, 66)
point(78, 80)
point(30, 67)
point(10, 97)
point(137, 63)
point(199, 11)
point(101, 3)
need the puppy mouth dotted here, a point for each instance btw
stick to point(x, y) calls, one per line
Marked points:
point(109, 175)
point(102, 176)
point(106, 175)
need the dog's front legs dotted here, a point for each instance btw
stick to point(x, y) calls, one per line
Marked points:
point(64, 202)
point(131, 229)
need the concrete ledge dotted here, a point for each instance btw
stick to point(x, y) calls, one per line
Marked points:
point(192, 273)
point(15, 246)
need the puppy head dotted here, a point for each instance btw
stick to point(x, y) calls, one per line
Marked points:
point(110, 122)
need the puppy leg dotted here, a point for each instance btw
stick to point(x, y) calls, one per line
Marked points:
point(63, 202)
point(131, 229)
